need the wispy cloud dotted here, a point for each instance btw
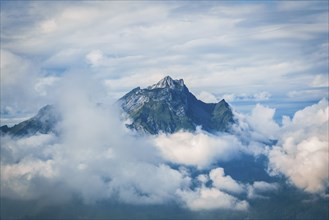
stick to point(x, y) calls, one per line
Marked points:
point(219, 48)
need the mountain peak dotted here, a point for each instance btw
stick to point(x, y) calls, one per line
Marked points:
point(168, 82)
point(44, 122)
point(168, 106)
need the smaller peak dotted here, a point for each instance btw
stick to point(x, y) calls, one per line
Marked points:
point(46, 108)
point(223, 102)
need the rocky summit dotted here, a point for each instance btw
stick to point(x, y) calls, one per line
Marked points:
point(168, 106)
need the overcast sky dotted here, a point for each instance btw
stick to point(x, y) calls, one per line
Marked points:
point(273, 51)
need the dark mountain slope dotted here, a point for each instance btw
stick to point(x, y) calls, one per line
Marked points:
point(169, 106)
point(44, 122)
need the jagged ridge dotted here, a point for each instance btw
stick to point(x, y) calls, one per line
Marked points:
point(168, 106)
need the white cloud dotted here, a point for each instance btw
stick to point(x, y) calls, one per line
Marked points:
point(215, 196)
point(256, 129)
point(222, 182)
point(302, 151)
point(94, 149)
point(198, 149)
point(211, 198)
point(261, 120)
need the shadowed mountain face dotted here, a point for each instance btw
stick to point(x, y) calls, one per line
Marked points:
point(44, 122)
point(168, 106)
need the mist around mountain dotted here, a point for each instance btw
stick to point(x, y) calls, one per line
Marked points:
point(195, 160)
point(167, 106)
point(44, 122)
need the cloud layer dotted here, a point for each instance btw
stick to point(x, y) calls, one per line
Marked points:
point(302, 151)
point(97, 158)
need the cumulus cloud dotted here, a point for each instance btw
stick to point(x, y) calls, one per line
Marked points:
point(261, 120)
point(218, 191)
point(94, 157)
point(223, 182)
point(302, 150)
point(211, 198)
point(197, 149)
point(216, 195)
point(256, 130)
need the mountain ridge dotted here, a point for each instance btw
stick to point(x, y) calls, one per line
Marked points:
point(167, 106)
point(45, 121)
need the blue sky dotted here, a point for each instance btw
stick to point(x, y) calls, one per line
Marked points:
point(273, 52)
